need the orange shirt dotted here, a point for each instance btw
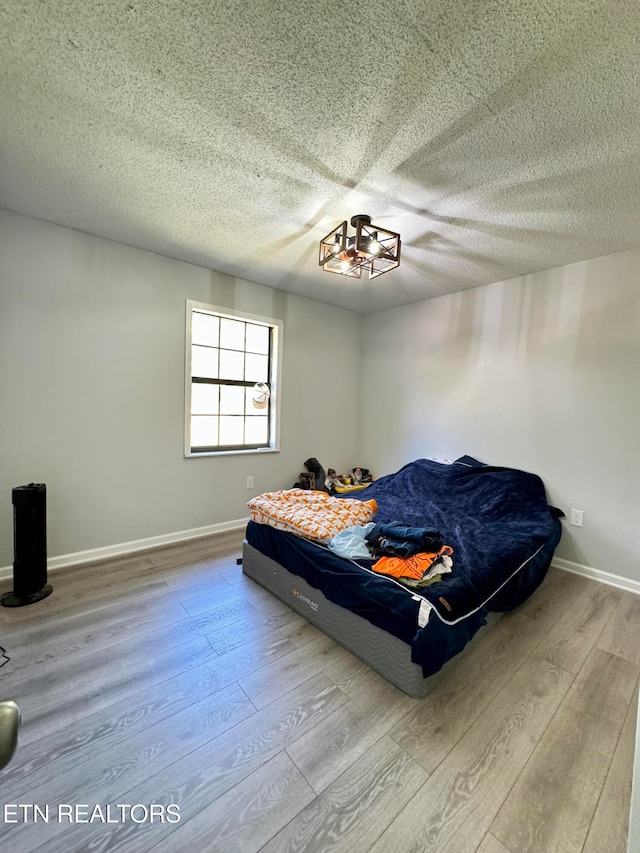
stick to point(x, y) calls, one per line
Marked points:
point(410, 567)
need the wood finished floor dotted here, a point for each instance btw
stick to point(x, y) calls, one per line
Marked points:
point(168, 677)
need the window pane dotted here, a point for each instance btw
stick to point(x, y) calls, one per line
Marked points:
point(257, 339)
point(204, 431)
point(231, 334)
point(257, 368)
point(204, 399)
point(231, 364)
point(231, 430)
point(204, 329)
point(204, 362)
point(256, 430)
point(231, 400)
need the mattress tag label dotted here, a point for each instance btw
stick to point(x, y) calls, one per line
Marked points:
point(424, 612)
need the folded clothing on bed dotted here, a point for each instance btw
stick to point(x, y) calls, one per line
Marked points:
point(396, 539)
point(417, 566)
point(310, 514)
point(351, 543)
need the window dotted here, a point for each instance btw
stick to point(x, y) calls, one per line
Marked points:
point(232, 362)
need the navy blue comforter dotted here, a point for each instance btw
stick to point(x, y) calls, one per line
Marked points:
point(496, 520)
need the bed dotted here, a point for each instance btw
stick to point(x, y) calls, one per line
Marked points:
point(503, 534)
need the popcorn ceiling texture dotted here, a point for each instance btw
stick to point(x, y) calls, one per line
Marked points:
point(499, 138)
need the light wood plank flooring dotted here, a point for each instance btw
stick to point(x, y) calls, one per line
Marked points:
point(168, 677)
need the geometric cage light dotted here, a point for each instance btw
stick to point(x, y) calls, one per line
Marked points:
point(371, 250)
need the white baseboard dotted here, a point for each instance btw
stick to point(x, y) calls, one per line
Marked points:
point(597, 575)
point(95, 554)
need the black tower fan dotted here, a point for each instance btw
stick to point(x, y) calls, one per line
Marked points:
point(29, 546)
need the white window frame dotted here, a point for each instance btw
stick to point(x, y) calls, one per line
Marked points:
point(276, 367)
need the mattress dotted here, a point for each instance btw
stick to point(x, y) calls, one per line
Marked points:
point(384, 653)
point(383, 602)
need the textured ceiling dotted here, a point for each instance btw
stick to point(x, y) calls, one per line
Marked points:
point(499, 138)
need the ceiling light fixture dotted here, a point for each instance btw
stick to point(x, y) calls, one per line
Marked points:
point(371, 249)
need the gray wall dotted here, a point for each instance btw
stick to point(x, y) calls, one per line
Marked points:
point(541, 373)
point(92, 388)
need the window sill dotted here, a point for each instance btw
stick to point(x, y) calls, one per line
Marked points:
point(260, 450)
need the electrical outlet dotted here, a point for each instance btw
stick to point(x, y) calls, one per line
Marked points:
point(251, 482)
point(576, 517)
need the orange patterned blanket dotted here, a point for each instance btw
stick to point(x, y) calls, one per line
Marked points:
point(313, 515)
